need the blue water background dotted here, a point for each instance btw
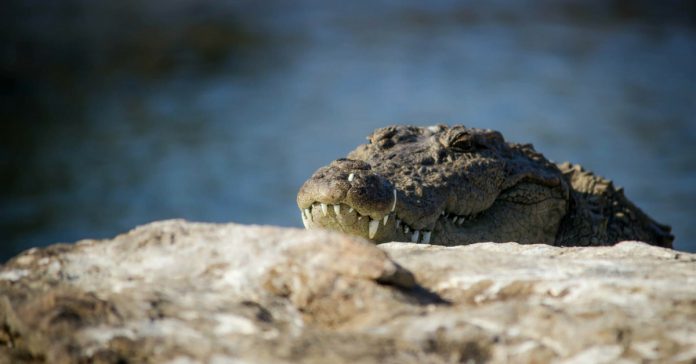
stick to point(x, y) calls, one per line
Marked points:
point(118, 114)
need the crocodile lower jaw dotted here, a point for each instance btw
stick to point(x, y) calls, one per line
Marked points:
point(389, 227)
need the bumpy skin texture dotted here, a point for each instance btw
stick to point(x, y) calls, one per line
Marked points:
point(458, 185)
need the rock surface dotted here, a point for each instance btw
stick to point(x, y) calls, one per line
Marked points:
point(179, 292)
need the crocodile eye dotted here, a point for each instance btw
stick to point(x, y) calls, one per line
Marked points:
point(461, 142)
point(463, 145)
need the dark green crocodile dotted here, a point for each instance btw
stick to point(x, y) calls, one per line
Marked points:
point(456, 185)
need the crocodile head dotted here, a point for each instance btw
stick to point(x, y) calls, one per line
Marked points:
point(438, 185)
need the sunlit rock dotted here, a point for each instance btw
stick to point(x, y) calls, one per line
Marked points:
point(182, 292)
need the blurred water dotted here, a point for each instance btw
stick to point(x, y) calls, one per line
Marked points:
point(219, 111)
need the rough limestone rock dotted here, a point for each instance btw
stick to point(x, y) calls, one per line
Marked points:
point(179, 292)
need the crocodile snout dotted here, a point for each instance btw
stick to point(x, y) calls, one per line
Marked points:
point(352, 183)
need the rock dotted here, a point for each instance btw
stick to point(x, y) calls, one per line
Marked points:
point(182, 292)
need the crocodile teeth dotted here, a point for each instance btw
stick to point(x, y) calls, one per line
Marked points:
point(394, 204)
point(324, 209)
point(414, 237)
point(459, 220)
point(337, 209)
point(426, 237)
point(350, 210)
point(350, 177)
point(386, 217)
point(373, 226)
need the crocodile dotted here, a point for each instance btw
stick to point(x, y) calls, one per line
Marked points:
point(456, 185)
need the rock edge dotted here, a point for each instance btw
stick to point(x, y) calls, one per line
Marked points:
point(182, 292)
